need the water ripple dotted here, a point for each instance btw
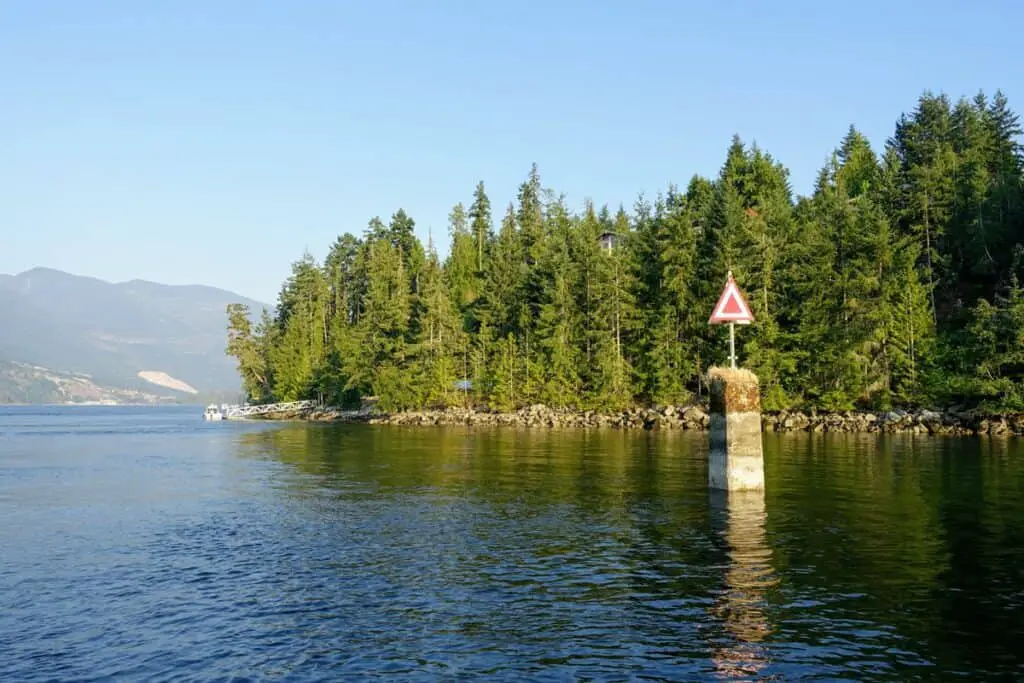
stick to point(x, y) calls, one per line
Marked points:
point(183, 553)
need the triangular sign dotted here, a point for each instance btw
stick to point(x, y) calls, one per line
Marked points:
point(731, 306)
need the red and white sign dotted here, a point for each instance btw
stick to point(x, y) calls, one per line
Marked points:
point(731, 306)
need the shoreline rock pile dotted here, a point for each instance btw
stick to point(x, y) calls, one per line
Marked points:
point(695, 417)
point(897, 422)
point(539, 415)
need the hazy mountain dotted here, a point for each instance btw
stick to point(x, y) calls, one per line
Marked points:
point(21, 383)
point(75, 324)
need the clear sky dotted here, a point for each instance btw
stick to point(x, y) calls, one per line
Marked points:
point(213, 141)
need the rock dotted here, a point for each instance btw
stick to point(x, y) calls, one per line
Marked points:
point(1017, 423)
point(696, 416)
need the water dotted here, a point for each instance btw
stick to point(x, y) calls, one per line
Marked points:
point(145, 544)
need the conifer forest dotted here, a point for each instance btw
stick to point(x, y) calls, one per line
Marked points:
point(895, 283)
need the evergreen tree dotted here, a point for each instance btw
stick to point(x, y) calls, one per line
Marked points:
point(613, 315)
point(460, 269)
point(672, 317)
point(502, 374)
point(605, 303)
point(894, 283)
point(481, 228)
point(533, 231)
point(923, 143)
point(552, 374)
point(342, 278)
point(910, 331)
point(299, 355)
point(498, 312)
point(439, 342)
point(764, 237)
point(381, 366)
point(501, 290)
point(401, 233)
point(245, 343)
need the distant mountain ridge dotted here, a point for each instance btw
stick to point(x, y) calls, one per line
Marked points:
point(114, 331)
point(23, 383)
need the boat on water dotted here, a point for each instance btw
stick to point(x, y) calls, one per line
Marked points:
point(212, 412)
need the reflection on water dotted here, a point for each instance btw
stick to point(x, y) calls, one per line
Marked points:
point(153, 546)
point(748, 575)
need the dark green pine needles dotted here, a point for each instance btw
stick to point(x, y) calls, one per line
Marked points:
point(896, 283)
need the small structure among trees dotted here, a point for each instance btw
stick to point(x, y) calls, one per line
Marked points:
point(608, 240)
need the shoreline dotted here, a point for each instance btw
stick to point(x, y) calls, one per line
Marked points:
point(691, 417)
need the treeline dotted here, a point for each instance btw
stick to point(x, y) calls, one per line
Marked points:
point(895, 283)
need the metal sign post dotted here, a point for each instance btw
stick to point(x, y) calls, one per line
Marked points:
point(732, 344)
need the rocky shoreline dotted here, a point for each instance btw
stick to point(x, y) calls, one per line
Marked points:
point(695, 417)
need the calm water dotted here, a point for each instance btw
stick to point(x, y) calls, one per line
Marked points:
point(145, 544)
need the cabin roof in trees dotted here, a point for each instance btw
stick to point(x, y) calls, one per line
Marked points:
point(608, 239)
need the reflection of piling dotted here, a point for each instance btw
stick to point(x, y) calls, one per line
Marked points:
point(748, 576)
point(735, 459)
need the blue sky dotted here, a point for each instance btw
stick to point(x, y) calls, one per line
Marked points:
point(214, 141)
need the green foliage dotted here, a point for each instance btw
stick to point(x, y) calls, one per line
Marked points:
point(246, 344)
point(439, 340)
point(480, 227)
point(989, 354)
point(297, 352)
point(894, 283)
point(461, 267)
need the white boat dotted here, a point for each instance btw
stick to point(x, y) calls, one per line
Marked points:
point(212, 412)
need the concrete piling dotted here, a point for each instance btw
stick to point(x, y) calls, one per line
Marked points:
point(735, 457)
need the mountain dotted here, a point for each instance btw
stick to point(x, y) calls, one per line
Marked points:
point(23, 383)
point(174, 335)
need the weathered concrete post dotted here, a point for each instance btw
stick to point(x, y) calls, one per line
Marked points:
point(735, 458)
